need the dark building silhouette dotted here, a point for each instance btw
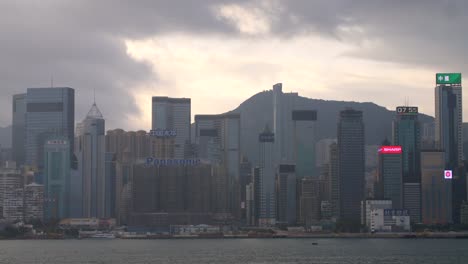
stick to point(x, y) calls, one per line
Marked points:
point(449, 137)
point(351, 164)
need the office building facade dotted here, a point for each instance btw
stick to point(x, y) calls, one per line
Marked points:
point(50, 112)
point(57, 178)
point(304, 134)
point(267, 204)
point(391, 174)
point(286, 194)
point(90, 152)
point(173, 114)
point(217, 139)
point(436, 191)
point(351, 164)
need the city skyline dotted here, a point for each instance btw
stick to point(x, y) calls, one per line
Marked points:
point(321, 50)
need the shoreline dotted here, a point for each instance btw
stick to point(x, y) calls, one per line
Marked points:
point(461, 235)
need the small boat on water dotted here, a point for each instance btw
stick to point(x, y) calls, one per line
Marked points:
point(95, 234)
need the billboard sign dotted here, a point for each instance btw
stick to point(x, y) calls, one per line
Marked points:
point(448, 174)
point(390, 150)
point(162, 133)
point(448, 78)
point(151, 161)
point(396, 212)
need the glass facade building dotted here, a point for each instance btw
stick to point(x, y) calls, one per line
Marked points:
point(351, 164)
point(57, 178)
point(173, 114)
point(50, 113)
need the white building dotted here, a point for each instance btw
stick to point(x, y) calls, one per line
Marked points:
point(33, 201)
point(369, 205)
point(390, 220)
point(13, 205)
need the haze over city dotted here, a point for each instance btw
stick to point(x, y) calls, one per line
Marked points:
point(384, 52)
point(233, 131)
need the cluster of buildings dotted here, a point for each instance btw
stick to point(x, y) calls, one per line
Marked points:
point(183, 174)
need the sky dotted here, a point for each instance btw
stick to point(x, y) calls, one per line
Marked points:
point(221, 52)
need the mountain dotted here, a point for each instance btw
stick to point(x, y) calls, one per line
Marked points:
point(258, 111)
point(5, 137)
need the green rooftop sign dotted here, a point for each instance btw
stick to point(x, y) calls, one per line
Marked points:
point(448, 78)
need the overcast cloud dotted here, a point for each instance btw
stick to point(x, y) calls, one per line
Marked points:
point(126, 50)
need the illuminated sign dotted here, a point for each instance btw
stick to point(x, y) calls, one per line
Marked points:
point(162, 133)
point(150, 161)
point(390, 150)
point(448, 78)
point(448, 174)
point(407, 110)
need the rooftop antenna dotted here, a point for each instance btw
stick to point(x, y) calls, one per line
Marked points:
point(51, 81)
point(94, 94)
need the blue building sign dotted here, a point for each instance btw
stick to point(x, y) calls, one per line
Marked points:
point(396, 212)
point(162, 133)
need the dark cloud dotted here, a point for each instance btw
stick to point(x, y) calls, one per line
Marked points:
point(81, 43)
point(431, 33)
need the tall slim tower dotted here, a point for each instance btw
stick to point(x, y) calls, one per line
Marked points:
point(449, 133)
point(173, 114)
point(407, 134)
point(90, 152)
point(391, 174)
point(57, 178)
point(267, 206)
point(448, 118)
point(283, 106)
point(351, 164)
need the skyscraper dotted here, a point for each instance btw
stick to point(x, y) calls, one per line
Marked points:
point(351, 164)
point(267, 206)
point(19, 128)
point(390, 172)
point(436, 190)
point(90, 152)
point(449, 133)
point(448, 119)
point(217, 138)
point(57, 178)
point(407, 134)
point(304, 133)
point(283, 105)
point(50, 112)
point(286, 194)
point(173, 114)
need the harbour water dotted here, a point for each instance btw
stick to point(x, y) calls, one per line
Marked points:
point(327, 251)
